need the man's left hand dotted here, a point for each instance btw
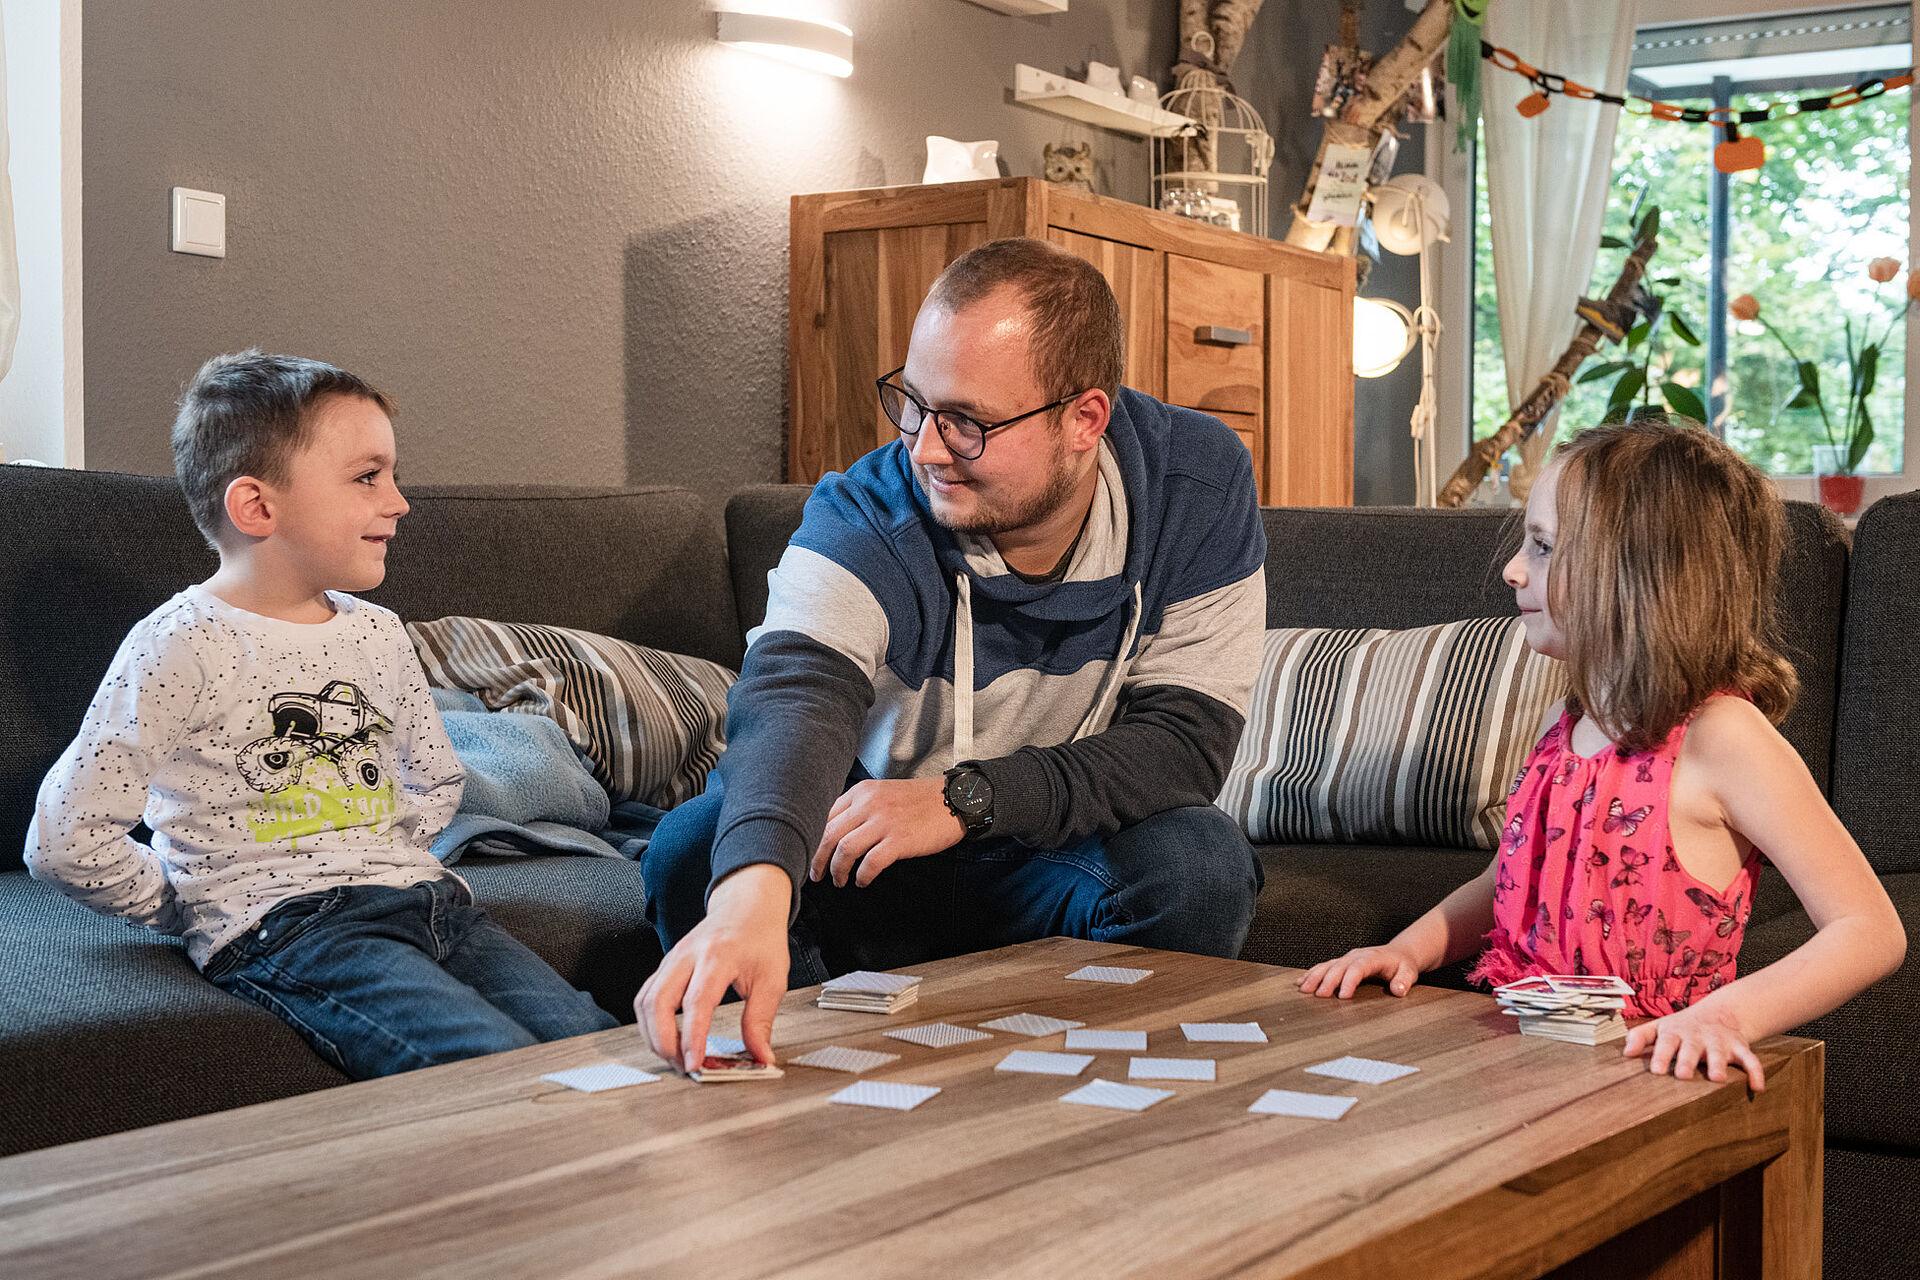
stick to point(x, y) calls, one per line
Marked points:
point(877, 823)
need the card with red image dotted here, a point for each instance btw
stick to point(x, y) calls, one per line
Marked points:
point(718, 1067)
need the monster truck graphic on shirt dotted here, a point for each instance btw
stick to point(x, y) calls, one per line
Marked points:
point(337, 724)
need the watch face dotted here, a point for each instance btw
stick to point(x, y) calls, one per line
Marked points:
point(970, 792)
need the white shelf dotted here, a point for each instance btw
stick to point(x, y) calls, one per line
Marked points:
point(1024, 8)
point(1076, 101)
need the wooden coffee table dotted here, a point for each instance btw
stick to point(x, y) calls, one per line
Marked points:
point(1504, 1156)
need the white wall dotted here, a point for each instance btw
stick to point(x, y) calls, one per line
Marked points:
point(40, 396)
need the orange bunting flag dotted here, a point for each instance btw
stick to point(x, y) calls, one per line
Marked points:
point(1738, 154)
point(1533, 104)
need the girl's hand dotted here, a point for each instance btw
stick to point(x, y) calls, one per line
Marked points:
point(1681, 1040)
point(1343, 976)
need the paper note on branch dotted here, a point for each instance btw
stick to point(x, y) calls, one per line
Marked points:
point(1340, 184)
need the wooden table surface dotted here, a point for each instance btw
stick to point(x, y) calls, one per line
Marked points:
point(1504, 1156)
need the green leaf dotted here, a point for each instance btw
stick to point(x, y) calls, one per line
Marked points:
point(1810, 379)
point(1668, 282)
point(1612, 242)
point(1862, 438)
point(1638, 334)
point(1600, 371)
point(1683, 401)
point(1626, 389)
point(1865, 371)
point(1685, 330)
point(1802, 399)
point(1649, 224)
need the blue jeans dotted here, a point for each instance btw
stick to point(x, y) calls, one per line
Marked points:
point(1182, 880)
point(380, 980)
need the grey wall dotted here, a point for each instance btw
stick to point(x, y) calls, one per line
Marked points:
point(557, 233)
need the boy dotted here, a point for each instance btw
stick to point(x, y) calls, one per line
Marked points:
point(278, 738)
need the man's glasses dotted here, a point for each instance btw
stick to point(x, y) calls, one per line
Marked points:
point(964, 437)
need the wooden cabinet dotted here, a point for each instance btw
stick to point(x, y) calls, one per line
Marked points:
point(1256, 332)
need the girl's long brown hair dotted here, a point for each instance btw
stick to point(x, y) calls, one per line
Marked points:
point(1663, 577)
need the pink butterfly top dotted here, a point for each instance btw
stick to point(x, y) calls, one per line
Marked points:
point(1586, 880)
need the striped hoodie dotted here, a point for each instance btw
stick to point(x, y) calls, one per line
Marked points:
point(1090, 703)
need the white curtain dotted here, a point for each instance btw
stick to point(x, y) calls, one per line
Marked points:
point(1548, 180)
point(9, 259)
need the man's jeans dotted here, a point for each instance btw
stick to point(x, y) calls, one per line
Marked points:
point(1183, 880)
point(380, 980)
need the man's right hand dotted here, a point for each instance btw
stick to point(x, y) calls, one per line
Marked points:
point(742, 943)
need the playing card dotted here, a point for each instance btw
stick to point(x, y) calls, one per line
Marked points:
point(718, 1067)
point(885, 1093)
point(1313, 1106)
point(1121, 1097)
point(938, 1035)
point(1030, 1024)
point(836, 1058)
point(1108, 973)
point(605, 1075)
point(1045, 1064)
point(1134, 1041)
point(1361, 1070)
point(884, 984)
point(1170, 1069)
point(1229, 1032)
point(1585, 984)
point(1536, 985)
point(725, 1045)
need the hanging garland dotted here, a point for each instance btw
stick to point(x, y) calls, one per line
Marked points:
point(1734, 152)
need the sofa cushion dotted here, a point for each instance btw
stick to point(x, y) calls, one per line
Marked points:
point(584, 916)
point(1389, 737)
point(1873, 1055)
point(1322, 900)
point(1876, 750)
point(651, 723)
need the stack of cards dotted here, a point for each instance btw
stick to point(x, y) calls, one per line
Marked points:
point(1584, 1010)
point(716, 1067)
point(864, 991)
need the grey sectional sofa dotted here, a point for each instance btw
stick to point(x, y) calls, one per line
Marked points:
point(104, 1028)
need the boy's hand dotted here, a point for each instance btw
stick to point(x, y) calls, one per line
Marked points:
point(742, 944)
point(1681, 1040)
point(878, 822)
point(1342, 977)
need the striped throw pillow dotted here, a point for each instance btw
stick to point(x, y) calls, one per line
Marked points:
point(1389, 737)
point(651, 724)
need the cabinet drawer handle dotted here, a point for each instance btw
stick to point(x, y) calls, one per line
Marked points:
point(1221, 336)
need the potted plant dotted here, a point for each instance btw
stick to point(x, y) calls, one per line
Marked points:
point(1837, 459)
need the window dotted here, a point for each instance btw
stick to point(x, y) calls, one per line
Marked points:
point(1798, 233)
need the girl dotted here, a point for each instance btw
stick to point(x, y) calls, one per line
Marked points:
point(1635, 830)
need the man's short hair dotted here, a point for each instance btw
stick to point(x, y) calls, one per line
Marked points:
point(1078, 338)
point(247, 414)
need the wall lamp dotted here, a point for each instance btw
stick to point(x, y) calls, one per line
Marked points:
point(812, 43)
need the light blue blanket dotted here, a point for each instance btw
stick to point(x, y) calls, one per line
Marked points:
point(529, 791)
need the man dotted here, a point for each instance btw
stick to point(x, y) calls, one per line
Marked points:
point(1005, 664)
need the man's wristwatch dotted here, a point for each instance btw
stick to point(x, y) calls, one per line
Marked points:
point(969, 797)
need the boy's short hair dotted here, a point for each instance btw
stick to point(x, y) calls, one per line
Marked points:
point(247, 414)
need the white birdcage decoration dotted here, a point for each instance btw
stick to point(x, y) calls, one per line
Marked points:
point(1215, 169)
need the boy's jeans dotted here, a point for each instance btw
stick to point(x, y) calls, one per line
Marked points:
point(380, 980)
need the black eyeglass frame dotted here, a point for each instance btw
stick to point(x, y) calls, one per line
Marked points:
point(941, 417)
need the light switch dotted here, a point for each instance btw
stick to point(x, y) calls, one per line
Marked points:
point(199, 222)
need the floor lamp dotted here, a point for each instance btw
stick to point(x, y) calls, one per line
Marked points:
point(1410, 213)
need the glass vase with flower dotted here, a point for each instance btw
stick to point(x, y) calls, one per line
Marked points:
point(1839, 448)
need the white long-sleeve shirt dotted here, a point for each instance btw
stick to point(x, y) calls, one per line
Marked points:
point(269, 758)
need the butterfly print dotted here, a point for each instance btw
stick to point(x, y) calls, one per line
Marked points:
point(1565, 773)
point(1554, 833)
point(1599, 858)
point(1618, 819)
point(1586, 798)
point(1515, 831)
point(1643, 772)
point(1671, 864)
point(1636, 955)
point(1604, 914)
point(1636, 912)
point(1666, 938)
point(1580, 964)
point(1717, 981)
point(1710, 906)
point(1503, 881)
point(1543, 924)
point(1631, 860)
point(1566, 910)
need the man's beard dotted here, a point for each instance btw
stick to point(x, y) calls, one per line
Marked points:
point(988, 519)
